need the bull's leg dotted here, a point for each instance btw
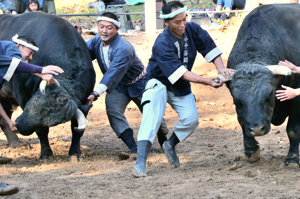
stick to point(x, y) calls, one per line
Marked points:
point(76, 136)
point(251, 148)
point(12, 138)
point(46, 151)
point(293, 131)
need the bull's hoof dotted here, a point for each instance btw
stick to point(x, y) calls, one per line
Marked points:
point(254, 157)
point(5, 160)
point(45, 157)
point(292, 159)
point(19, 144)
point(289, 165)
point(74, 159)
point(127, 155)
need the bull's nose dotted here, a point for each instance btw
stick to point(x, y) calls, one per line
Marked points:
point(257, 131)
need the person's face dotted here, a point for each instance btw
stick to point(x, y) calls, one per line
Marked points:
point(107, 31)
point(177, 24)
point(33, 6)
point(26, 53)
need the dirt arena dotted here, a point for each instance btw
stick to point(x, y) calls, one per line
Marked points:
point(212, 159)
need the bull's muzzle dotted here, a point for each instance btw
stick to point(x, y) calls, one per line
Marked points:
point(257, 131)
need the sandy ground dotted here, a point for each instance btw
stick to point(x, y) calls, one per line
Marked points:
point(212, 159)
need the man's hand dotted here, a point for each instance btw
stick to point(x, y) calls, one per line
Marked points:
point(226, 72)
point(287, 94)
point(7, 12)
point(78, 28)
point(290, 65)
point(12, 126)
point(215, 82)
point(54, 70)
point(49, 78)
point(90, 99)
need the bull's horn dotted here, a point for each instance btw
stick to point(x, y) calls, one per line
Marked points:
point(80, 120)
point(56, 82)
point(43, 85)
point(280, 70)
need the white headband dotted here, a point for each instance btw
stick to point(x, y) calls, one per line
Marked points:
point(24, 43)
point(172, 14)
point(109, 20)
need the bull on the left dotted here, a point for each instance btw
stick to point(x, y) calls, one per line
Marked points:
point(12, 59)
point(61, 45)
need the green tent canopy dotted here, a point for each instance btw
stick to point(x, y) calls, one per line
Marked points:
point(134, 2)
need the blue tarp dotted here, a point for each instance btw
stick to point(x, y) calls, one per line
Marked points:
point(134, 2)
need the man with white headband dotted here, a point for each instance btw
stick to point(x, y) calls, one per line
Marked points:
point(169, 76)
point(13, 59)
point(123, 78)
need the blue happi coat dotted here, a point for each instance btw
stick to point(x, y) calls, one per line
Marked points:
point(171, 57)
point(8, 51)
point(124, 67)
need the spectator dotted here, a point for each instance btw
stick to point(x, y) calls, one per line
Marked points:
point(5, 6)
point(19, 6)
point(228, 5)
point(33, 6)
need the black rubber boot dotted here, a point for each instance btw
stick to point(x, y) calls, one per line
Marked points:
point(127, 137)
point(162, 133)
point(169, 149)
point(139, 169)
point(8, 190)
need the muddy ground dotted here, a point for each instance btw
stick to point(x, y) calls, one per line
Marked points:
point(212, 159)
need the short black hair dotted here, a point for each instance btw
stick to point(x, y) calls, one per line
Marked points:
point(110, 15)
point(28, 40)
point(33, 1)
point(167, 9)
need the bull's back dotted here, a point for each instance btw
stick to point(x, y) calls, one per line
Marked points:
point(269, 33)
point(59, 44)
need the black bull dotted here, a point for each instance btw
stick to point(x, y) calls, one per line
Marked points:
point(269, 34)
point(60, 45)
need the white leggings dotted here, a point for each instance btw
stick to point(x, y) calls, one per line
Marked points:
point(154, 101)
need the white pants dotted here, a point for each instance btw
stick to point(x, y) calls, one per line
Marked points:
point(154, 101)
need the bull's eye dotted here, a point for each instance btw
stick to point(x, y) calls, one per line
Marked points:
point(35, 101)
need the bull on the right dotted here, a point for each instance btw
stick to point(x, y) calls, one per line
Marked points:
point(269, 34)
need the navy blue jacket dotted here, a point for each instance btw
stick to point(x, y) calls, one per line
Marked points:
point(124, 67)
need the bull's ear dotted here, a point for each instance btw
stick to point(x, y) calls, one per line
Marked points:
point(85, 108)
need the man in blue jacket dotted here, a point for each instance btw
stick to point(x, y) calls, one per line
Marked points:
point(5, 6)
point(168, 81)
point(123, 77)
